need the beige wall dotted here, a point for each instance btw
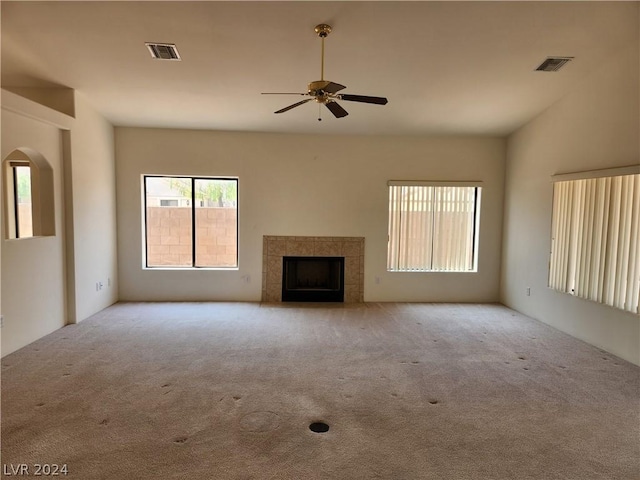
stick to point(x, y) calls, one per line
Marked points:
point(48, 282)
point(92, 253)
point(33, 292)
point(596, 126)
point(305, 185)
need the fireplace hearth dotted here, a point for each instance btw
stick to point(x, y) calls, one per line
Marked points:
point(313, 279)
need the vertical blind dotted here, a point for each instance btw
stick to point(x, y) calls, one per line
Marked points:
point(432, 228)
point(595, 251)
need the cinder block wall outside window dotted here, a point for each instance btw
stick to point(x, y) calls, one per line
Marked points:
point(169, 236)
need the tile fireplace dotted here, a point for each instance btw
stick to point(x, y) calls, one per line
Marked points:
point(337, 259)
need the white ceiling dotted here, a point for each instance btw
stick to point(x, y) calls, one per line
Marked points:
point(446, 67)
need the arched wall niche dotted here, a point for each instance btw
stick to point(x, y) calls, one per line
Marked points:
point(42, 193)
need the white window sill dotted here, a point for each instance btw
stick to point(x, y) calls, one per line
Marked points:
point(191, 269)
point(432, 271)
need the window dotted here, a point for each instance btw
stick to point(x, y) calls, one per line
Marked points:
point(595, 244)
point(433, 226)
point(28, 194)
point(191, 222)
point(21, 205)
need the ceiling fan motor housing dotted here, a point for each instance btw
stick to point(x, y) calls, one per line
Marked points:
point(317, 88)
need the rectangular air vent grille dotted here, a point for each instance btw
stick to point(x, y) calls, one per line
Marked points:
point(553, 64)
point(163, 51)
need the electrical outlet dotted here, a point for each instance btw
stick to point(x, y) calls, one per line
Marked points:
point(1, 321)
point(246, 278)
point(528, 291)
point(377, 280)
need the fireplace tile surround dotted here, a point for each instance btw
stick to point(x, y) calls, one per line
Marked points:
point(274, 248)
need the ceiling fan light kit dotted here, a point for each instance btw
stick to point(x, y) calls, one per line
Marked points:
point(325, 92)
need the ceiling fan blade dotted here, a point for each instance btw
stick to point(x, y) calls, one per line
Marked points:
point(336, 109)
point(333, 87)
point(282, 93)
point(286, 109)
point(363, 99)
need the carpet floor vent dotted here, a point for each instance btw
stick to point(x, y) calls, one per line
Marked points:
point(319, 427)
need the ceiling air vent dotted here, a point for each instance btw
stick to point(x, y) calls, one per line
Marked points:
point(163, 51)
point(553, 64)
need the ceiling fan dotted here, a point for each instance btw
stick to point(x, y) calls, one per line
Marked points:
point(325, 92)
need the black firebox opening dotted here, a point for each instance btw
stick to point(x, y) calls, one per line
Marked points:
point(313, 279)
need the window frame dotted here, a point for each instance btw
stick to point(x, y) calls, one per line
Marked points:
point(475, 227)
point(192, 206)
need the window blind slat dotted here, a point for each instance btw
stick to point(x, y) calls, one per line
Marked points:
point(591, 208)
point(392, 255)
point(421, 215)
point(623, 243)
point(556, 261)
point(564, 244)
point(567, 247)
point(633, 286)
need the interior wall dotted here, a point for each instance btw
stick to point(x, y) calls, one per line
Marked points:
point(1, 234)
point(93, 216)
point(61, 99)
point(33, 276)
point(51, 281)
point(306, 185)
point(596, 126)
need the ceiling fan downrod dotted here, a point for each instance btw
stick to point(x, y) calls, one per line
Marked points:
point(323, 30)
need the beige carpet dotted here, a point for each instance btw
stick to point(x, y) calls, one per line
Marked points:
point(409, 391)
